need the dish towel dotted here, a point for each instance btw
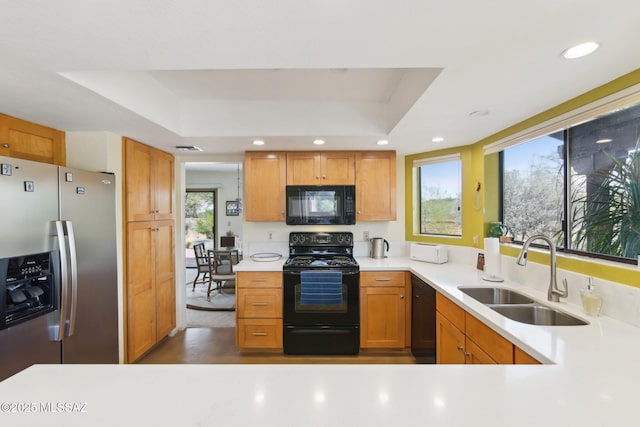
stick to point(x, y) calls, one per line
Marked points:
point(320, 287)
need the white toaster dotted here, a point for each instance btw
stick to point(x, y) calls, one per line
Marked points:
point(436, 254)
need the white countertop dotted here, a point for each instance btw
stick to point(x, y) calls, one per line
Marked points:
point(590, 380)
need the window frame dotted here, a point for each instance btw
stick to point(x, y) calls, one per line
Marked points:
point(590, 112)
point(417, 171)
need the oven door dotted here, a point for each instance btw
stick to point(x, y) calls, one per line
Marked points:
point(320, 297)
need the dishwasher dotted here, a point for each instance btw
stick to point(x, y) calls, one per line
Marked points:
point(423, 321)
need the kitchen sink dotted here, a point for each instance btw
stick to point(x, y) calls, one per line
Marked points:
point(496, 295)
point(515, 306)
point(538, 315)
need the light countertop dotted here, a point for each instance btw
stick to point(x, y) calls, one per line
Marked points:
point(590, 379)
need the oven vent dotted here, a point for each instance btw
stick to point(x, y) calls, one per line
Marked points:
point(188, 148)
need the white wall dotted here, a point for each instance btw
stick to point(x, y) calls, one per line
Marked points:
point(102, 152)
point(226, 185)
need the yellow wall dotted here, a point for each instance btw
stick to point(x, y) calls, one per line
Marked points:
point(473, 171)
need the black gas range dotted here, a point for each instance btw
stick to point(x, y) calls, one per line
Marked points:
point(321, 307)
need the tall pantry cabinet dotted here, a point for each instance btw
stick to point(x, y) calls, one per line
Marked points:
point(150, 267)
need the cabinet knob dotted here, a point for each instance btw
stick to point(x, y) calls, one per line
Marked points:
point(324, 177)
point(5, 145)
point(467, 354)
point(459, 348)
point(401, 296)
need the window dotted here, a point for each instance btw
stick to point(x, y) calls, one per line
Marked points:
point(533, 188)
point(580, 185)
point(439, 197)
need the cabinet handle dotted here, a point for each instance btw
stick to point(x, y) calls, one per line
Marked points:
point(5, 145)
point(260, 304)
point(383, 279)
point(258, 280)
point(459, 347)
point(259, 334)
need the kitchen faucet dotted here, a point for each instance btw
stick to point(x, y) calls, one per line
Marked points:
point(554, 293)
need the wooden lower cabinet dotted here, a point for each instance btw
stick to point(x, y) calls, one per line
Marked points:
point(463, 339)
point(450, 341)
point(259, 310)
point(151, 307)
point(385, 320)
point(523, 358)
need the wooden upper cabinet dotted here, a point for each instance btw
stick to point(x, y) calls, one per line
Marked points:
point(149, 182)
point(321, 168)
point(265, 179)
point(30, 141)
point(375, 185)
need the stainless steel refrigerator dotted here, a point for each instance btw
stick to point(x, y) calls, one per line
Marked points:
point(67, 218)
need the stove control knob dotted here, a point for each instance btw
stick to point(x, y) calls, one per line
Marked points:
point(301, 238)
point(294, 238)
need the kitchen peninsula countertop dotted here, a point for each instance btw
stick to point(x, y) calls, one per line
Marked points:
point(589, 379)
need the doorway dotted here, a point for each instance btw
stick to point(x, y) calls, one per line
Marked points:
point(200, 221)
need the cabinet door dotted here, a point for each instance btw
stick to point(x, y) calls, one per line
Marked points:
point(163, 185)
point(522, 358)
point(376, 186)
point(337, 168)
point(164, 275)
point(474, 355)
point(450, 342)
point(30, 141)
point(141, 306)
point(382, 317)
point(265, 177)
point(303, 168)
point(138, 181)
point(497, 347)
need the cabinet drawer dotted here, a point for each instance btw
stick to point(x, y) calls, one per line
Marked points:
point(260, 333)
point(259, 303)
point(496, 346)
point(382, 278)
point(451, 311)
point(259, 279)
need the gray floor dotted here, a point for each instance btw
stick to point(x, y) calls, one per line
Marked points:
point(207, 319)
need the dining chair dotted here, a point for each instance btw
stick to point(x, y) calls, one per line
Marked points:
point(221, 267)
point(203, 264)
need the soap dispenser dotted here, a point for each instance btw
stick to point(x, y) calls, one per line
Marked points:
point(591, 300)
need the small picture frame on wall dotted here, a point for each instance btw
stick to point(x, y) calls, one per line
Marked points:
point(233, 208)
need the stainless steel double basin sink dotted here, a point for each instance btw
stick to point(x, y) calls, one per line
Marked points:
point(520, 308)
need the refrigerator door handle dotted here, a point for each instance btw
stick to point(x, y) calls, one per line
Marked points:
point(57, 331)
point(73, 262)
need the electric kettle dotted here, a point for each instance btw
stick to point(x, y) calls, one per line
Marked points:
point(377, 247)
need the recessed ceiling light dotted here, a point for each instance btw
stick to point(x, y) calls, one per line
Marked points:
point(318, 142)
point(604, 141)
point(580, 50)
point(382, 142)
point(479, 113)
point(258, 142)
point(437, 139)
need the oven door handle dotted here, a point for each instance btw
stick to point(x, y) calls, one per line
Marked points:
point(344, 273)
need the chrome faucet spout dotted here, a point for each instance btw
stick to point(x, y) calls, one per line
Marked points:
point(554, 293)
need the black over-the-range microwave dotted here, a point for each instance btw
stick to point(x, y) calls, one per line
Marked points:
point(321, 204)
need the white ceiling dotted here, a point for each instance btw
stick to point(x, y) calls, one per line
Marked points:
point(219, 74)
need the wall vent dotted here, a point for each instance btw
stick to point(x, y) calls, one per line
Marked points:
point(188, 148)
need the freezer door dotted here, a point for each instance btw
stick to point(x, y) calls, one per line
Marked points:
point(87, 207)
point(29, 205)
point(27, 344)
point(28, 209)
